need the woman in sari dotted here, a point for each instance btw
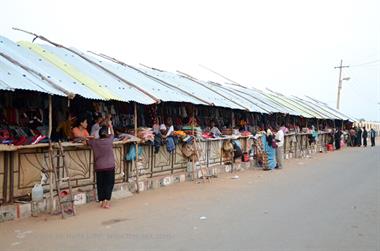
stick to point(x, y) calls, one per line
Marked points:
point(268, 143)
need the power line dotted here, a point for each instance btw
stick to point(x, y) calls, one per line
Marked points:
point(366, 63)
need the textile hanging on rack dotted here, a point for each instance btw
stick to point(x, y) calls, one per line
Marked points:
point(157, 143)
point(170, 145)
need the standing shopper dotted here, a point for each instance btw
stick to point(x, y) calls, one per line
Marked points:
point(372, 135)
point(337, 137)
point(359, 137)
point(104, 164)
point(280, 147)
point(365, 135)
point(270, 145)
point(353, 137)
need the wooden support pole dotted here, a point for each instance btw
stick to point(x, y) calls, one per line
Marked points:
point(50, 116)
point(137, 149)
point(193, 131)
point(51, 173)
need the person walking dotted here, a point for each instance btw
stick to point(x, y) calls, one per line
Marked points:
point(372, 135)
point(104, 164)
point(365, 136)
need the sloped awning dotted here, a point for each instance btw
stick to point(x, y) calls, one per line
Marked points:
point(63, 71)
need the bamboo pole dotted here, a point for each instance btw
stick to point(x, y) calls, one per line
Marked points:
point(137, 148)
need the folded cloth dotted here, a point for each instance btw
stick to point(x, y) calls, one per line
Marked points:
point(146, 134)
point(38, 139)
point(20, 141)
point(246, 133)
point(180, 133)
point(207, 135)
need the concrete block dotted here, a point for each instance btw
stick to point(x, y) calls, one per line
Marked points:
point(120, 194)
point(166, 181)
point(215, 170)
point(176, 179)
point(24, 210)
point(155, 184)
point(182, 178)
point(80, 199)
point(8, 213)
point(43, 205)
point(91, 196)
point(132, 186)
point(124, 187)
point(227, 168)
point(141, 186)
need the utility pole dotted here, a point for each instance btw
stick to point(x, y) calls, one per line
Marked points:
point(340, 81)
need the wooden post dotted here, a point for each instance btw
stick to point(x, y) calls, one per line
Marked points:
point(232, 119)
point(50, 154)
point(317, 125)
point(137, 149)
point(51, 173)
point(193, 131)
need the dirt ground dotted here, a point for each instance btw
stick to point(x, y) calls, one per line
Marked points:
point(328, 202)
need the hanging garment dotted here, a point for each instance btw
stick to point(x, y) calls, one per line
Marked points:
point(157, 142)
point(131, 155)
point(170, 145)
point(238, 153)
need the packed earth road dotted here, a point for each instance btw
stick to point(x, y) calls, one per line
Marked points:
point(328, 202)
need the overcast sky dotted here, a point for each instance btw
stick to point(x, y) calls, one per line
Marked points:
point(287, 46)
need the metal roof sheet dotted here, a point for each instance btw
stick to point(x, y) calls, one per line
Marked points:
point(14, 76)
point(239, 96)
point(290, 105)
point(159, 89)
point(323, 113)
point(193, 87)
point(96, 79)
point(261, 100)
point(39, 64)
point(317, 114)
point(331, 110)
point(60, 71)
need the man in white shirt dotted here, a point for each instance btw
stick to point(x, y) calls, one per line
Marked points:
point(280, 135)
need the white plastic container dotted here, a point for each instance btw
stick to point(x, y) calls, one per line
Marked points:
point(37, 192)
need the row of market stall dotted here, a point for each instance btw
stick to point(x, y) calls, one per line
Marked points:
point(42, 86)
